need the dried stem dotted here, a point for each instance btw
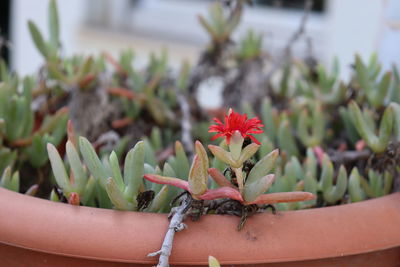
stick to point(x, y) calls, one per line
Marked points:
point(176, 224)
point(186, 124)
point(302, 27)
point(287, 52)
point(349, 156)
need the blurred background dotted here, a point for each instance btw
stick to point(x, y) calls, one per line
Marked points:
point(335, 28)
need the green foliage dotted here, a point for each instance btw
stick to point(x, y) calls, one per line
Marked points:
point(10, 180)
point(365, 126)
point(311, 116)
point(367, 75)
point(219, 25)
point(250, 46)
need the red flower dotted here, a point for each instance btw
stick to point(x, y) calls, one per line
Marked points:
point(236, 122)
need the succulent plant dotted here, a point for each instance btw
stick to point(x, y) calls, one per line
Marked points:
point(250, 46)
point(246, 182)
point(339, 142)
point(213, 262)
point(327, 130)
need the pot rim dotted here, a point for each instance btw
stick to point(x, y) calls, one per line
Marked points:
point(109, 235)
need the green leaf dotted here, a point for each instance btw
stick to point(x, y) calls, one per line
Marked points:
point(7, 157)
point(198, 175)
point(54, 196)
point(267, 115)
point(223, 155)
point(150, 156)
point(87, 195)
point(156, 140)
point(116, 196)
point(377, 144)
point(339, 189)
point(355, 191)
point(38, 39)
point(54, 28)
point(159, 200)
point(388, 182)
point(254, 189)
point(76, 168)
point(248, 152)
point(286, 139)
point(213, 262)
point(184, 165)
point(58, 168)
point(114, 164)
point(310, 185)
point(263, 167)
point(134, 170)
point(326, 179)
point(10, 181)
point(92, 161)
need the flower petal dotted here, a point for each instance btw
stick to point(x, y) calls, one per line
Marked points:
point(237, 122)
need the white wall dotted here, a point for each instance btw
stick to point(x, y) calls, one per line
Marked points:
point(349, 27)
point(354, 27)
point(389, 48)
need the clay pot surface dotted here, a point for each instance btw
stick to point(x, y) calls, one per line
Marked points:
point(38, 232)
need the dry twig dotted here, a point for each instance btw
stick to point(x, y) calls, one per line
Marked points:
point(176, 224)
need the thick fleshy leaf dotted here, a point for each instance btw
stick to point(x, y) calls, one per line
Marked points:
point(219, 178)
point(32, 190)
point(253, 190)
point(222, 192)
point(116, 196)
point(71, 133)
point(158, 179)
point(336, 192)
point(283, 197)
point(213, 262)
point(116, 171)
point(355, 191)
point(54, 27)
point(58, 168)
point(248, 152)
point(198, 175)
point(76, 167)
point(74, 199)
point(92, 161)
point(89, 189)
point(38, 39)
point(235, 145)
point(263, 166)
point(54, 196)
point(223, 155)
point(134, 170)
point(181, 157)
point(159, 200)
point(10, 181)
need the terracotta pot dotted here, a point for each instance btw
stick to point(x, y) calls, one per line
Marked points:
point(37, 232)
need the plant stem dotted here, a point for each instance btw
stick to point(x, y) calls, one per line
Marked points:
point(176, 224)
point(239, 178)
point(186, 124)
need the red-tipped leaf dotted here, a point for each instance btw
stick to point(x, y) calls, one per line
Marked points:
point(222, 192)
point(283, 197)
point(158, 179)
point(219, 178)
